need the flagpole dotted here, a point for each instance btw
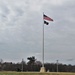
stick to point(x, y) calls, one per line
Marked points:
point(43, 68)
point(49, 19)
point(43, 45)
point(43, 48)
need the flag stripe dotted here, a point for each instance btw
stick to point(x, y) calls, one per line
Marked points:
point(47, 18)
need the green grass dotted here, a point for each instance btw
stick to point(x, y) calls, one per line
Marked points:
point(36, 73)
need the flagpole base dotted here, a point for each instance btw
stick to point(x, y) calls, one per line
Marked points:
point(42, 69)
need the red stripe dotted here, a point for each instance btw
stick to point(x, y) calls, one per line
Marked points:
point(47, 18)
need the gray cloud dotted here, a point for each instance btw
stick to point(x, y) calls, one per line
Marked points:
point(21, 30)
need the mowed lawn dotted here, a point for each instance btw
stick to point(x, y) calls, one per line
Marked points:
point(36, 73)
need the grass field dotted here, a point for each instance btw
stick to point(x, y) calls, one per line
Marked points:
point(36, 73)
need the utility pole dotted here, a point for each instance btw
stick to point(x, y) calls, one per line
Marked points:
point(22, 65)
point(57, 65)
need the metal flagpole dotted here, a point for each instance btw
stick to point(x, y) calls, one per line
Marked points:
point(43, 45)
point(49, 19)
point(43, 68)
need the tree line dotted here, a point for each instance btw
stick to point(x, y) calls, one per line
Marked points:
point(34, 65)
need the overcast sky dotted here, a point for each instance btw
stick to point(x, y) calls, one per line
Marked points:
point(21, 24)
